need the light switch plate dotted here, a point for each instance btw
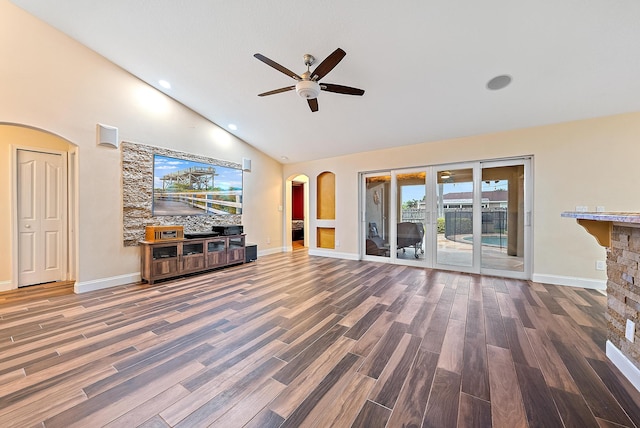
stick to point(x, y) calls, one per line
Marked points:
point(582, 208)
point(630, 331)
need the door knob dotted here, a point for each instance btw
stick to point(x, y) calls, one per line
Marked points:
point(27, 226)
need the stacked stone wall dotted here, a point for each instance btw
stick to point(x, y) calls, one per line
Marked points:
point(137, 194)
point(623, 289)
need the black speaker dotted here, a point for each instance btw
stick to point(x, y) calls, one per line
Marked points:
point(250, 253)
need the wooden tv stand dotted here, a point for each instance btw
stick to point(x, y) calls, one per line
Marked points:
point(168, 259)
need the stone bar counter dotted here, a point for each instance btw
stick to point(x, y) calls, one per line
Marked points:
point(619, 232)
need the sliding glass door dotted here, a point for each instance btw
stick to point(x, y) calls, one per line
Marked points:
point(470, 217)
point(456, 206)
point(411, 191)
point(376, 200)
point(506, 217)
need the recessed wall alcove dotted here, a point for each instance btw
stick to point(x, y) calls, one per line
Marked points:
point(137, 193)
point(326, 209)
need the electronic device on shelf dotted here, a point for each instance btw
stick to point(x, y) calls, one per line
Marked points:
point(163, 233)
point(194, 235)
point(227, 230)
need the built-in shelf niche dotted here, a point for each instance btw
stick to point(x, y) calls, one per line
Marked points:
point(326, 209)
point(326, 237)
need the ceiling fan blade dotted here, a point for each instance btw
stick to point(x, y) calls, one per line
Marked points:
point(277, 66)
point(330, 87)
point(313, 103)
point(277, 91)
point(327, 65)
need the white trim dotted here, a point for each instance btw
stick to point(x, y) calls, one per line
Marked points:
point(333, 254)
point(99, 284)
point(7, 286)
point(114, 281)
point(628, 369)
point(66, 244)
point(325, 223)
point(596, 284)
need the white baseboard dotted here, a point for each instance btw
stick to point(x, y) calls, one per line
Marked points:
point(333, 254)
point(571, 281)
point(628, 369)
point(6, 286)
point(99, 284)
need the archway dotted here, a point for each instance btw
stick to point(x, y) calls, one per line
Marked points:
point(18, 139)
point(297, 212)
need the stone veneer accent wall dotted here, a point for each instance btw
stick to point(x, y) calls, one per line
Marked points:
point(137, 194)
point(623, 289)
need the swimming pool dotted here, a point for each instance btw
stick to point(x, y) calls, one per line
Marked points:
point(491, 240)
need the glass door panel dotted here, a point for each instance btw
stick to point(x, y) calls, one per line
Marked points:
point(454, 209)
point(377, 205)
point(503, 216)
point(471, 217)
point(410, 213)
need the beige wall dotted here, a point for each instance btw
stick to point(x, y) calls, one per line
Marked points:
point(591, 162)
point(52, 83)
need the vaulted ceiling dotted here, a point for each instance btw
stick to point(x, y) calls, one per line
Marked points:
point(424, 64)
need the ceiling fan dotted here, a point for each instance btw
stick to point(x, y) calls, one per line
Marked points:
point(308, 85)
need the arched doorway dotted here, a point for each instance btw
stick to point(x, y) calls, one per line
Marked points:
point(297, 213)
point(42, 248)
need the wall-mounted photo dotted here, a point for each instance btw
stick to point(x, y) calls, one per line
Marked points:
point(186, 187)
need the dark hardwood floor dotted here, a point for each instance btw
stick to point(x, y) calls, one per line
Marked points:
point(293, 340)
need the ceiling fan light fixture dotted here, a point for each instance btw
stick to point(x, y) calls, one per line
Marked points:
point(308, 86)
point(308, 89)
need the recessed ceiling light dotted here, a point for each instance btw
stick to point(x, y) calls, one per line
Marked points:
point(284, 158)
point(232, 127)
point(164, 84)
point(499, 82)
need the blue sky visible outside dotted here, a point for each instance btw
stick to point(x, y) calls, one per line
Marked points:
point(226, 178)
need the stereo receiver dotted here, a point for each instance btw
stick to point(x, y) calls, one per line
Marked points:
point(163, 233)
point(232, 229)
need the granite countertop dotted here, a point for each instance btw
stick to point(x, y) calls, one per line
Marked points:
point(618, 217)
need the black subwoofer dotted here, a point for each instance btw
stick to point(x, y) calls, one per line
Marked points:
point(250, 253)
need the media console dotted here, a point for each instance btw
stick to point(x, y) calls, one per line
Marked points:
point(167, 259)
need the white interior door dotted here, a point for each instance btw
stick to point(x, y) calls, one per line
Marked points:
point(41, 217)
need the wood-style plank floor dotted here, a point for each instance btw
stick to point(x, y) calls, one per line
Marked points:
point(293, 340)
